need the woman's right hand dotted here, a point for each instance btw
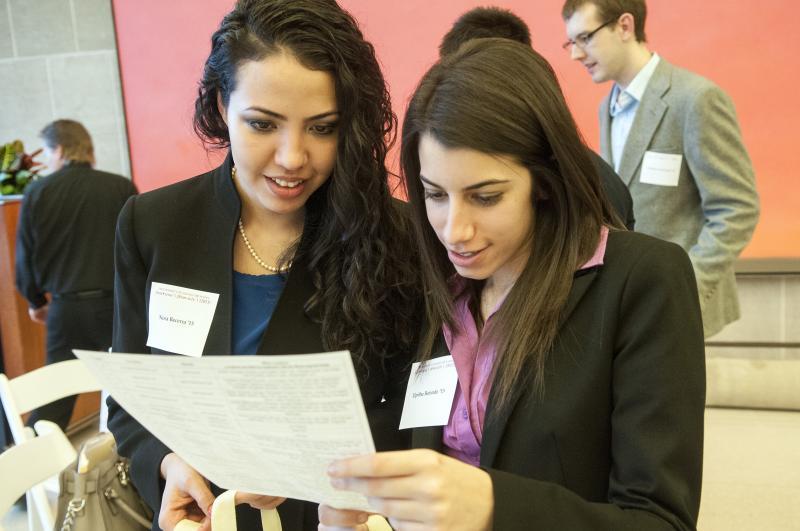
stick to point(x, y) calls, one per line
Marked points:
point(186, 495)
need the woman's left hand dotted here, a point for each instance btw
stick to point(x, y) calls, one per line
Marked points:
point(419, 489)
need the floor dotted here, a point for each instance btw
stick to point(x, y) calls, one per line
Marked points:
point(751, 473)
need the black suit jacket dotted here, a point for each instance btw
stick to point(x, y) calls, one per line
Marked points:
point(65, 237)
point(183, 235)
point(615, 190)
point(616, 442)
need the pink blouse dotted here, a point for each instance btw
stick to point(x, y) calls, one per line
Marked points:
point(473, 357)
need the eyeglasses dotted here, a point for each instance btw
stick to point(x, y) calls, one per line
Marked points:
point(583, 39)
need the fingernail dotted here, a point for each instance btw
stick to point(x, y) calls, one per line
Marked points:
point(339, 483)
point(334, 468)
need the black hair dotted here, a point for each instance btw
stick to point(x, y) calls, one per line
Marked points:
point(484, 22)
point(366, 288)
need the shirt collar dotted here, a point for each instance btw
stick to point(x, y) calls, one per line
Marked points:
point(599, 252)
point(639, 84)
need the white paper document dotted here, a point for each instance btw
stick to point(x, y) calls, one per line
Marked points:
point(179, 318)
point(662, 169)
point(429, 395)
point(262, 424)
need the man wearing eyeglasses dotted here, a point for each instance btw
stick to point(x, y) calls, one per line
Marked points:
point(674, 139)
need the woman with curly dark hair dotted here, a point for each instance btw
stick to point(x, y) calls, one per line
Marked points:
point(296, 231)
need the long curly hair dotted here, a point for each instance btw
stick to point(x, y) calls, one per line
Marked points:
point(366, 286)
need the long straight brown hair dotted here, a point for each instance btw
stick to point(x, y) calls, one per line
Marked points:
point(500, 97)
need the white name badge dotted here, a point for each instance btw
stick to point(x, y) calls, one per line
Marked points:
point(429, 395)
point(662, 169)
point(180, 318)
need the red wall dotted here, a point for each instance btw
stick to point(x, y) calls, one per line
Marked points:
point(747, 47)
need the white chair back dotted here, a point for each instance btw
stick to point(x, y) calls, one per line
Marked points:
point(32, 461)
point(31, 390)
point(42, 386)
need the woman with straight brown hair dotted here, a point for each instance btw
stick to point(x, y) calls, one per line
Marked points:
point(578, 346)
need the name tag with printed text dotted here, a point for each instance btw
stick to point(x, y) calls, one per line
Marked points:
point(429, 395)
point(661, 169)
point(179, 318)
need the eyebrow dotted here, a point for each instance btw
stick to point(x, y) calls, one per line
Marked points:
point(475, 186)
point(282, 117)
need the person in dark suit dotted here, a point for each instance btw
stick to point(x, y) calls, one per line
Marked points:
point(578, 346)
point(65, 250)
point(488, 22)
point(296, 232)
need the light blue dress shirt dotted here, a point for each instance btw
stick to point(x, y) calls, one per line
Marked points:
point(624, 106)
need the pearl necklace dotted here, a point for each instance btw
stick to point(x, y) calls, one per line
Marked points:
point(253, 253)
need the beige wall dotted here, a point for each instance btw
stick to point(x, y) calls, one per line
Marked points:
point(770, 313)
point(58, 59)
point(759, 376)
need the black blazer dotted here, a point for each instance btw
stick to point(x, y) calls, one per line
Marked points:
point(183, 234)
point(615, 190)
point(616, 442)
point(65, 236)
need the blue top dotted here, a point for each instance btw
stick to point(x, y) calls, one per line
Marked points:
point(254, 300)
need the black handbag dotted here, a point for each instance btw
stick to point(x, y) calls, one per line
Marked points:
point(96, 492)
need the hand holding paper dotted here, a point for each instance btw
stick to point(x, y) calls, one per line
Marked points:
point(266, 425)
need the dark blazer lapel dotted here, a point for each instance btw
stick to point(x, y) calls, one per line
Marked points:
point(218, 269)
point(290, 331)
point(496, 419)
point(605, 130)
point(583, 279)
point(648, 116)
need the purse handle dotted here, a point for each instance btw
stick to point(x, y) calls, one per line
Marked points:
point(223, 517)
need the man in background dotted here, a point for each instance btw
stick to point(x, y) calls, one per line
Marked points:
point(674, 139)
point(65, 250)
point(493, 22)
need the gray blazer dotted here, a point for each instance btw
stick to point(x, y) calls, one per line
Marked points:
point(713, 210)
